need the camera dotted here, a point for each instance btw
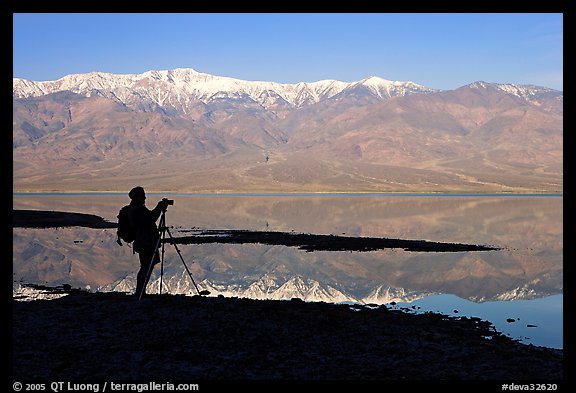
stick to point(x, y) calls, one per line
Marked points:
point(168, 201)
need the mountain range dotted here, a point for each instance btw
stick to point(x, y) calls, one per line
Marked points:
point(270, 287)
point(187, 131)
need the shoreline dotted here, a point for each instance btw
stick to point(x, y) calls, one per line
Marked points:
point(92, 336)
point(280, 194)
point(305, 241)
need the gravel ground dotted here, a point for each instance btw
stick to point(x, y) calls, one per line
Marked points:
point(87, 336)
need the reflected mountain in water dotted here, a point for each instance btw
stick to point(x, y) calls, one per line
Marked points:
point(528, 229)
point(268, 287)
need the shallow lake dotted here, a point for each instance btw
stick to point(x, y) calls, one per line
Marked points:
point(518, 287)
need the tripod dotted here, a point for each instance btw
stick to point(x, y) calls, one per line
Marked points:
point(163, 229)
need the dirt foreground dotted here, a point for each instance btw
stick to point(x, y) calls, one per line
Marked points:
point(114, 336)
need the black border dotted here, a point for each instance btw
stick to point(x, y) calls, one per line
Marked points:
point(410, 6)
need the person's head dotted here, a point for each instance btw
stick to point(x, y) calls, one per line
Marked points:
point(137, 195)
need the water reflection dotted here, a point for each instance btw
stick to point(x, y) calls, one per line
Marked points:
point(529, 230)
point(537, 321)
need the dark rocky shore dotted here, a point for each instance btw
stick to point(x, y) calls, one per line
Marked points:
point(113, 336)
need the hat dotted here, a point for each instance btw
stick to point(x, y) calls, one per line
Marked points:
point(136, 192)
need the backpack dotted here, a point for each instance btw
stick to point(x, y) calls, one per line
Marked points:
point(125, 230)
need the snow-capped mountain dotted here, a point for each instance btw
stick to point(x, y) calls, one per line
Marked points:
point(386, 294)
point(28, 293)
point(371, 135)
point(523, 91)
point(528, 291)
point(536, 95)
point(269, 287)
point(181, 88)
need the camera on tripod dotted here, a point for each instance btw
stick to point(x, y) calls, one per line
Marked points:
point(163, 231)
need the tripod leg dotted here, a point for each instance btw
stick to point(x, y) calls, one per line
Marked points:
point(162, 261)
point(182, 259)
point(151, 266)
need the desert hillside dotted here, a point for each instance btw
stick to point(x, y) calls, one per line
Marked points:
point(189, 132)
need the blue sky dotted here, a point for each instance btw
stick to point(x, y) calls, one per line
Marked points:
point(442, 51)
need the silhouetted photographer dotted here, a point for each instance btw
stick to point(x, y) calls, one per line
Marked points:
point(146, 234)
